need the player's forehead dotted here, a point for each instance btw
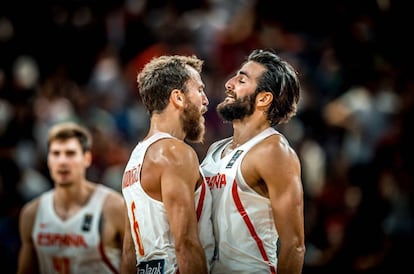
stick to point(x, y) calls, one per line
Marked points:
point(195, 78)
point(252, 70)
point(65, 144)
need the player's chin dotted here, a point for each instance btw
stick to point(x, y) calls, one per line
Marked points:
point(199, 137)
point(201, 134)
point(63, 183)
point(203, 110)
point(228, 100)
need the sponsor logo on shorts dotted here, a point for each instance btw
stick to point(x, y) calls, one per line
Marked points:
point(151, 267)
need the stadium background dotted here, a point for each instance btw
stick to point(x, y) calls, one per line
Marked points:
point(77, 60)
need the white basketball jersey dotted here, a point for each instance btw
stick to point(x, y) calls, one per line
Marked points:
point(74, 245)
point(243, 223)
point(153, 239)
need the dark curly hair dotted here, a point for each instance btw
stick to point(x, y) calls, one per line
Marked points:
point(282, 80)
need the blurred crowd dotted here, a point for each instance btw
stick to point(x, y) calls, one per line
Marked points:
point(78, 60)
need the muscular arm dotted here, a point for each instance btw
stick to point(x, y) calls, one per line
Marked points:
point(113, 221)
point(129, 261)
point(27, 262)
point(282, 176)
point(178, 180)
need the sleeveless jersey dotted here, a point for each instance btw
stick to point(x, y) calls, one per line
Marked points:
point(153, 239)
point(246, 237)
point(74, 245)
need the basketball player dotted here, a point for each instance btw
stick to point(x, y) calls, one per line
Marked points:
point(77, 227)
point(169, 228)
point(255, 175)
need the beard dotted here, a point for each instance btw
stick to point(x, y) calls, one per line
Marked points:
point(237, 110)
point(192, 124)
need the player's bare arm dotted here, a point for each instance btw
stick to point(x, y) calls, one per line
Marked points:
point(27, 262)
point(281, 174)
point(128, 259)
point(114, 216)
point(178, 180)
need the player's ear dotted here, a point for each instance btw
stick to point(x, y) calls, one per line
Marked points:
point(177, 97)
point(264, 98)
point(88, 158)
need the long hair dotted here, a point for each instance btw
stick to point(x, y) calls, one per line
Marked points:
point(282, 80)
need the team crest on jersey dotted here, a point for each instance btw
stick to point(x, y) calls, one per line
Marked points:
point(151, 267)
point(87, 222)
point(234, 158)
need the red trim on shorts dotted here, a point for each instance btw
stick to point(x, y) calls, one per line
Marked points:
point(250, 226)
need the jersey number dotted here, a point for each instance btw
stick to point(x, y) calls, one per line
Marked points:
point(61, 265)
point(136, 231)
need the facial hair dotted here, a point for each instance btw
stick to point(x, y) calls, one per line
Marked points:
point(237, 110)
point(192, 124)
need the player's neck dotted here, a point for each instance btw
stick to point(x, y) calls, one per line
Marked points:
point(246, 130)
point(73, 194)
point(161, 123)
point(67, 201)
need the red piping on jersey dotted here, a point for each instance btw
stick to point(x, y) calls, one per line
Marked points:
point(250, 226)
point(106, 260)
point(201, 201)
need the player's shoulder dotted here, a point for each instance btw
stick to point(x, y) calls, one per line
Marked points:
point(176, 150)
point(111, 194)
point(29, 209)
point(114, 201)
point(274, 145)
point(173, 142)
